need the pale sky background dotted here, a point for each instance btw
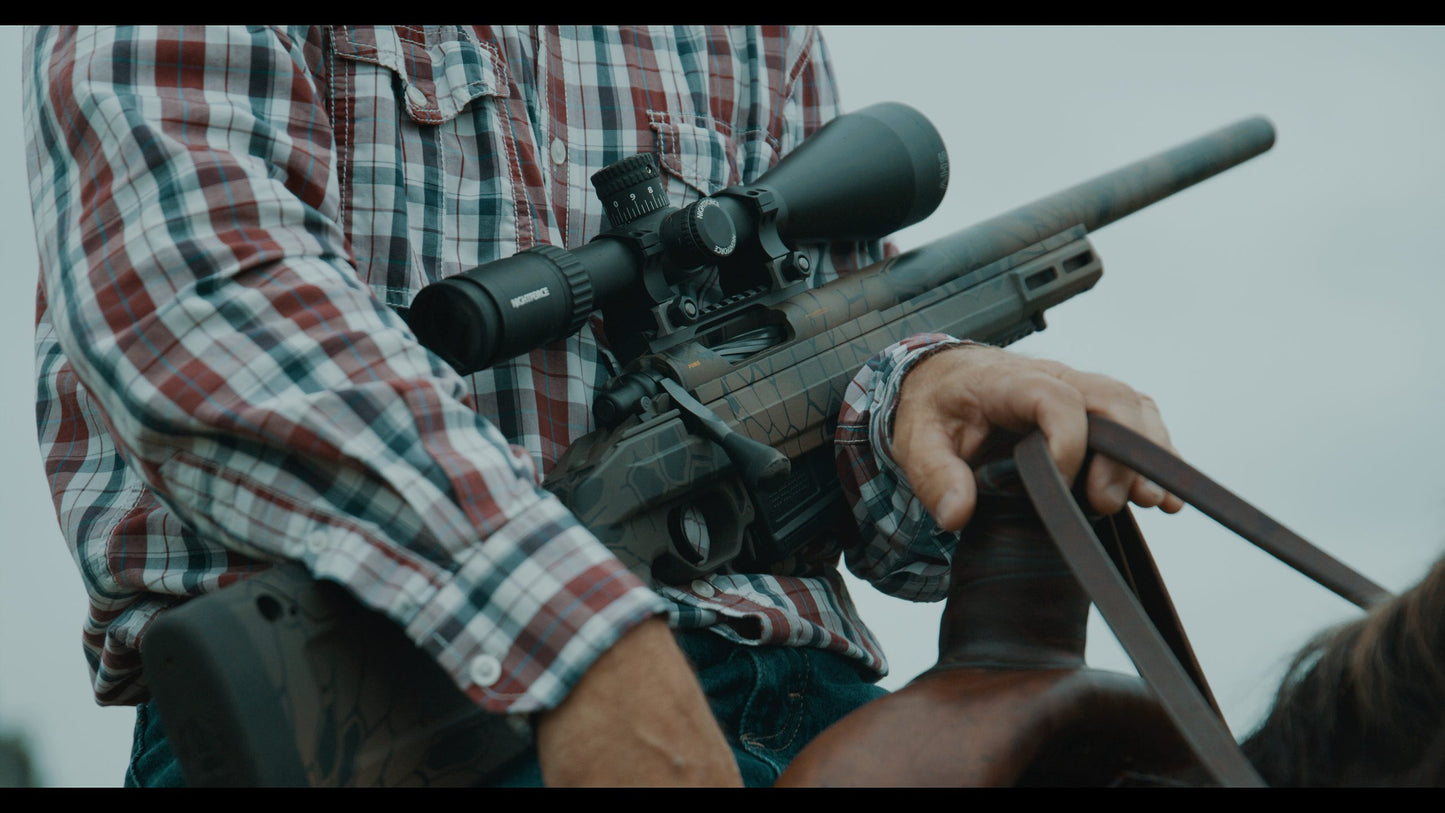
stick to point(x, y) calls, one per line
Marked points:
point(1283, 314)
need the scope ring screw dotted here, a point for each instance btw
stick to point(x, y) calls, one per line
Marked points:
point(797, 266)
point(683, 310)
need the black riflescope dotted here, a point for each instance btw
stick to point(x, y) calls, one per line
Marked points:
point(862, 176)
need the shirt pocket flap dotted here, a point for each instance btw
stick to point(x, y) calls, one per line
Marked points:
point(696, 150)
point(441, 68)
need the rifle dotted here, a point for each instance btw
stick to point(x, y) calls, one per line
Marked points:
point(714, 448)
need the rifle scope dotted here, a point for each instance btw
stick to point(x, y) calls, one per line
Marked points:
point(862, 176)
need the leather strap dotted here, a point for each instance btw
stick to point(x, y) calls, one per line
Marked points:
point(1218, 503)
point(1196, 720)
point(1125, 585)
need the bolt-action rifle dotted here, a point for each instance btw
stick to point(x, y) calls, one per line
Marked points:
point(713, 446)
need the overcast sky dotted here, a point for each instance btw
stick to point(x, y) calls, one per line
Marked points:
point(1283, 314)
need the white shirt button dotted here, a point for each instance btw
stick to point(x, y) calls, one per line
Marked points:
point(484, 670)
point(415, 95)
point(318, 541)
point(405, 607)
point(703, 589)
point(559, 151)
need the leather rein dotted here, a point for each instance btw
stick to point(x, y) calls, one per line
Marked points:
point(1124, 584)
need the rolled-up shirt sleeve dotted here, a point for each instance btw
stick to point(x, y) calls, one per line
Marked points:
point(199, 284)
point(901, 551)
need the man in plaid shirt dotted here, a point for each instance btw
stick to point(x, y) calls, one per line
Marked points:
point(226, 220)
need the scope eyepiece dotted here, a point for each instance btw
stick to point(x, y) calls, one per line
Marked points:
point(503, 309)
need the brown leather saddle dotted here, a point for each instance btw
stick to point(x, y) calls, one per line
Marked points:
point(1011, 701)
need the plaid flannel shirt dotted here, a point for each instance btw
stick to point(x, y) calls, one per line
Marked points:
point(226, 218)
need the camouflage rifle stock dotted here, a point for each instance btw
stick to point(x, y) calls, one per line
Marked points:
point(715, 452)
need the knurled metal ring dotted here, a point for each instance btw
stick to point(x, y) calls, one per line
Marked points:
point(579, 282)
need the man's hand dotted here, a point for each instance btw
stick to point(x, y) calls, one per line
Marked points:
point(965, 405)
point(638, 717)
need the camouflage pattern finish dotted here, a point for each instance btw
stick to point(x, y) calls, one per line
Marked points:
point(631, 486)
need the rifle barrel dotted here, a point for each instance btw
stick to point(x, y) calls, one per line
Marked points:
point(1093, 204)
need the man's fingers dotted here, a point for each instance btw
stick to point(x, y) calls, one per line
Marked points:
point(956, 402)
point(941, 479)
point(1109, 484)
point(1029, 397)
point(1152, 426)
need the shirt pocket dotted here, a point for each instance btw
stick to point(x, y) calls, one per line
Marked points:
point(708, 155)
point(441, 69)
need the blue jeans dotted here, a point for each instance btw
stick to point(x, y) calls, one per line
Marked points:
point(770, 702)
point(152, 763)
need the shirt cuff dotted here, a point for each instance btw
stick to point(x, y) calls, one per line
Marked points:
point(901, 358)
point(529, 609)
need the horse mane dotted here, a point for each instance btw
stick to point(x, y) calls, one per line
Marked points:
point(1363, 703)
